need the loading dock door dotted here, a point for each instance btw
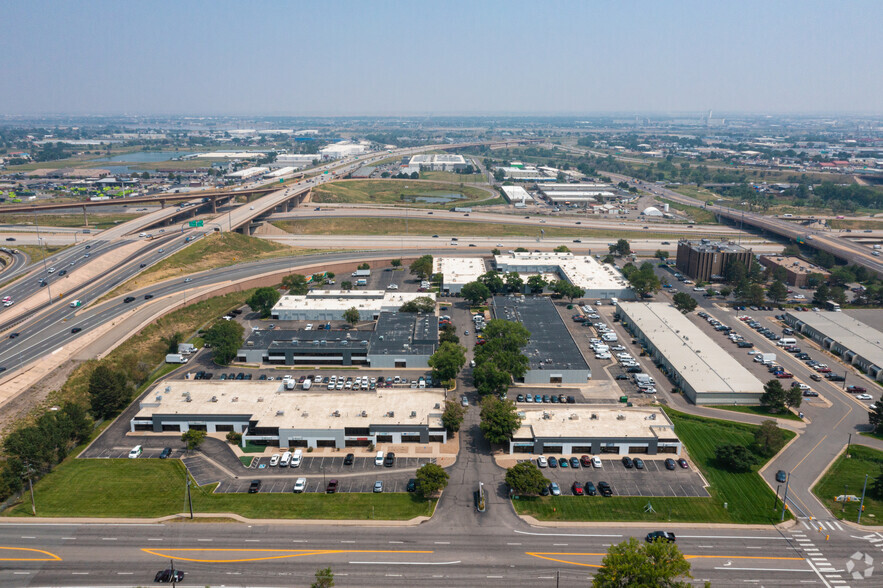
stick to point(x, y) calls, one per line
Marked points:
point(556, 379)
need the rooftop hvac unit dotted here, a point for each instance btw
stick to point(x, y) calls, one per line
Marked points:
point(280, 413)
point(168, 389)
point(437, 406)
point(260, 398)
point(413, 414)
point(620, 417)
point(546, 415)
point(336, 413)
point(364, 413)
point(234, 399)
point(188, 399)
point(652, 417)
point(594, 416)
point(214, 398)
point(574, 417)
point(304, 414)
point(391, 414)
point(159, 398)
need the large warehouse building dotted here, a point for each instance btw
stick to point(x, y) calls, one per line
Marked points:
point(575, 193)
point(705, 372)
point(574, 429)
point(267, 414)
point(398, 340)
point(853, 340)
point(597, 279)
point(457, 271)
point(516, 195)
point(438, 162)
point(706, 260)
point(329, 305)
point(554, 356)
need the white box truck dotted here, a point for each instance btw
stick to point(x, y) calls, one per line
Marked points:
point(361, 282)
point(765, 358)
point(175, 358)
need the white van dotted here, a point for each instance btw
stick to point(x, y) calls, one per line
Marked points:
point(786, 341)
point(609, 337)
point(135, 453)
point(285, 460)
point(296, 458)
point(378, 459)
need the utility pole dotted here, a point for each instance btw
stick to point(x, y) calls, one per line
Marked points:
point(848, 442)
point(189, 497)
point(31, 486)
point(785, 496)
point(861, 505)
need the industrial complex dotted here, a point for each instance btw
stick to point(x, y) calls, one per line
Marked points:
point(330, 305)
point(456, 272)
point(855, 342)
point(705, 372)
point(797, 271)
point(597, 279)
point(595, 430)
point(268, 414)
point(554, 356)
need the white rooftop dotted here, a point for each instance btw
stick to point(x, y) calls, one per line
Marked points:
point(576, 421)
point(701, 362)
point(853, 334)
point(580, 270)
point(516, 194)
point(273, 406)
point(572, 187)
point(342, 300)
point(430, 158)
point(458, 270)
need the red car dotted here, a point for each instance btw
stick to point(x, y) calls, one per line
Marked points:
point(586, 461)
point(855, 389)
point(824, 370)
point(577, 489)
point(783, 375)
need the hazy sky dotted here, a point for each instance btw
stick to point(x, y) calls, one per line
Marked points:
point(440, 57)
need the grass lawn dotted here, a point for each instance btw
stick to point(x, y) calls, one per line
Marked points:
point(761, 411)
point(96, 221)
point(441, 176)
point(855, 224)
point(216, 250)
point(748, 498)
point(37, 253)
point(445, 228)
point(153, 488)
point(396, 192)
point(847, 476)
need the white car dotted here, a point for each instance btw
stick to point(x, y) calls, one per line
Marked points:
point(135, 453)
point(9, 303)
point(864, 396)
point(300, 485)
point(274, 461)
point(596, 462)
point(542, 462)
point(392, 287)
point(698, 289)
point(51, 270)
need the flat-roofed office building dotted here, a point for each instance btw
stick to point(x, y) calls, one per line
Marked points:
point(706, 260)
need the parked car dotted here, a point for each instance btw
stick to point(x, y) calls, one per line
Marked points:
point(331, 488)
point(781, 476)
point(577, 489)
point(604, 489)
point(254, 487)
point(639, 463)
point(855, 389)
point(627, 462)
point(165, 453)
point(554, 489)
point(390, 459)
point(586, 461)
point(553, 462)
point(378, 486)
point(412, 485)
point(590, 489)
point(300, 485)
point(669, 464)
point(348, 460)
point(683, 463)
point(574, 462)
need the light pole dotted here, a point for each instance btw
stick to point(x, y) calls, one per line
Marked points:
point(323, 476)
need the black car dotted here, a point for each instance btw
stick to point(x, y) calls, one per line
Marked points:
point(166, 452)
point(621, 377)
point(639, 463)
point(835, 377)
point(263, 377)
point(10, 238)
point(143, 265)
point(76, 330)
point(553, 462)
point(148, 296)
point(627, 462)
point(199, 375)
point(254, 486)
point(544, 491)
point(781, 476)
point(208, 376)
point(14, 335)
point(389, 460)
point(571, 400)
point(634, 370)
point(519, 398)
point(129, 299)
point(590, 489)
point(574, 462)
point(669, 464)
point(661, 536)
point(348, 460)
point(169, 576)
point(62, 272)
point(412, 485)
point(605, 489)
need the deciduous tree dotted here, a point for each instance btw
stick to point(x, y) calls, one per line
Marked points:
point(431, 478)
point(643, 565)
point(526, 478)
point(499, 419)
point(263, 300)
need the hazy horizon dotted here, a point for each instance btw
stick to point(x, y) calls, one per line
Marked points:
point(340, 59)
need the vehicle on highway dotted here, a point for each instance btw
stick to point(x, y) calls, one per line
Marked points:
point(168, 576)
point(14, 335)
point(254, 487)
point(660, 536)
point(300, 485)
point(128, 299)
point(76, 330)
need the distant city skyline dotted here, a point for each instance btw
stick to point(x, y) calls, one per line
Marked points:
point(279, 58)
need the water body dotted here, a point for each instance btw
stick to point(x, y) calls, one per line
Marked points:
point(147, 156)
point(437, 198)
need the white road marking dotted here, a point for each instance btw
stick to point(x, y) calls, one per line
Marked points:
point(155, 539)
point(80, 573)
point(559, 545)
point(253, 540)
point(708, 546)
point(821, 577)
point(574, 534)
point(497, 577)
point(513, 544)
point(442, 542)
point(758, 569)
point(396, 541)
point(27, 537)
point(205, 539)
point(108, 538)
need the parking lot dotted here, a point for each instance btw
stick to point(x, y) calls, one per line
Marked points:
point(394, 483)
point(653, 480)
point(123, 452)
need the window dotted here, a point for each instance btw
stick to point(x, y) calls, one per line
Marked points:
point(168, 428)
point(223, 428)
